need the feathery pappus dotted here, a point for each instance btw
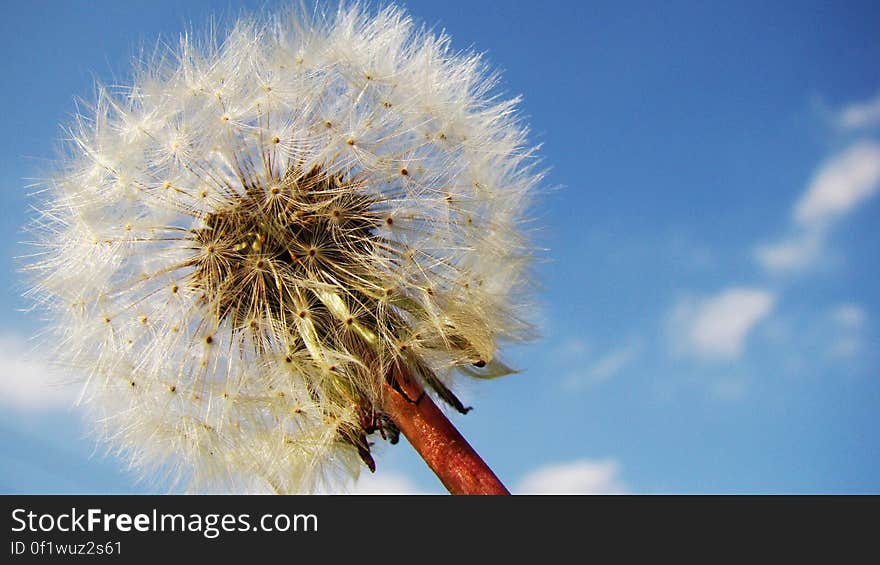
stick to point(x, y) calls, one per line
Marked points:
point(241, 245)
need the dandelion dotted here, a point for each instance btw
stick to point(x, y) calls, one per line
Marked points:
point(265, 251)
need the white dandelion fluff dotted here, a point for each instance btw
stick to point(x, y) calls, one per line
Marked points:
point(244, 244)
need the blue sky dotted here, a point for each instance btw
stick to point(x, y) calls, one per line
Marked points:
point(709, 305)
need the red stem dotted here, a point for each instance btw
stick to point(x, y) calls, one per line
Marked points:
point(434, 437)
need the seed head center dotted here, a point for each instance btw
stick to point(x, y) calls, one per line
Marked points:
point(262, 248)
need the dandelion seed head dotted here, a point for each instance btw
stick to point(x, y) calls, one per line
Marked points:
point(242, 243)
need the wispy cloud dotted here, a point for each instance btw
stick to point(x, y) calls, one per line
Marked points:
point(840, 185)
point(849, 340)
point(605, 367)
point(27, 384)
point(849, 315)
point(796, 252)
point(861, 115)
point(387, 483)
point(717, 327)
point(584, 476)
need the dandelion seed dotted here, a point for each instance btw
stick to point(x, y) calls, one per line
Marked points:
point(293, 305)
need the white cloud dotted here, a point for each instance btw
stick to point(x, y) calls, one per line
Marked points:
point(572, 348)
point(382, 481)
point(846, 347)
point(718, 327)
point(609, 365)
point(850, 320)
point(584, 476)
point(605, 367)
point(385, 483)
point(849, 315)
point(841, 184)
point(861, 115)
point(27, 384)
point(794, 253)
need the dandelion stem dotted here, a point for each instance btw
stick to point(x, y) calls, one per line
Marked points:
point(444, 449)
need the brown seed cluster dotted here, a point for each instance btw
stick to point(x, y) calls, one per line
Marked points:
point(263, 248)
point(261, 260)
